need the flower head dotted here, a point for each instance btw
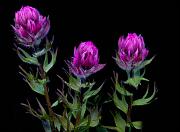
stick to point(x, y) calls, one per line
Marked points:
point(85, 61)
point(30, 26)
point(131, 51)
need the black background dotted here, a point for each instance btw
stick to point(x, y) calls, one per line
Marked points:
point(103, 23)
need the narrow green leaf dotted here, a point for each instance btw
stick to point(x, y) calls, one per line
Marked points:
point(63, 121)
point(135, 81)
point(144, 100)
point(41, 107)
point(120, 122)
point(94, 117)
point(137, 124)
point(27, 58)
point(83, 109)
point(55, 103)
point(57, 124)
point(47, 66)
point(144, 63)
point(120, 104)
point(122, 90)
point(92, 93)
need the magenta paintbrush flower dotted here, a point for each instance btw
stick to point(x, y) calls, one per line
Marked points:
point(30, 26)
point(85, 61)
point(131, 52)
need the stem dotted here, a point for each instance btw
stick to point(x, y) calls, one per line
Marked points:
point(129, 112)
point(128, 74)
point(51, 114)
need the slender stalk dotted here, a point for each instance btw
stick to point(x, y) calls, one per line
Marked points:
point(51, 114)
point(129, 112)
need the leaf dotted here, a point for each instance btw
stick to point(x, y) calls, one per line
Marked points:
point(41, 107)
point(72, 84)
point(137, 124)
point(27, 58)
point(120, 122)
point(144, 63)
point(122, 90)
point(145, 100)
point(47, 66)
point(35, 84)
point(57, 124)
point(55, 103)
point(91, 93)
point(44, 50)
point(135, 81)
point(63, 121)
point(83, 109)
point(120, 104)
point(94, 117)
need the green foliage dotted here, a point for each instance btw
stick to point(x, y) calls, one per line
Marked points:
point(47, 66)
point(37, 85)
point(145, 100)
point(135, 81)
point(144, 63)
point(26, 57)
point(120, 122)
point(120, 103)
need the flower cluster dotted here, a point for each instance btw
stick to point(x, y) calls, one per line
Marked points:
point(78, 112)
point(30, 26)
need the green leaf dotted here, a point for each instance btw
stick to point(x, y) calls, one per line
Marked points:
point(122, 90)
point(44, 50)
point(27, 58)
point(57, 123)
point(64, 122)
point(47, 66)
point(41, 107)
point(120, 104)
point(137, 124)
point(145, 100)
point(94, 117)
point(35, 84)
point(120, 122)
point(91, 93)
point(135, 81)
point(83, 109)
point(55, 103)
point(144, 63)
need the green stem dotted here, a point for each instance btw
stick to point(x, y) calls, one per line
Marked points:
point(129, 112)
point(51, 114)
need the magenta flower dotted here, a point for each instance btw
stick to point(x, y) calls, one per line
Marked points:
point(85, 61)
point(30, 26)
point(131, 52)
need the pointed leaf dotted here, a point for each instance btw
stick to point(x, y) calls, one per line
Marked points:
point(135, 81)
point(120, 104)
point(25, 57)
point(144, 63)
point(91, 93)
point(120, 122)
point(137, 124)
point(145, 100)
point(122, 90)
point(47, 66)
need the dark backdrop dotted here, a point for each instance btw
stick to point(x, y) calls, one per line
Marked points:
point(103, 23)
